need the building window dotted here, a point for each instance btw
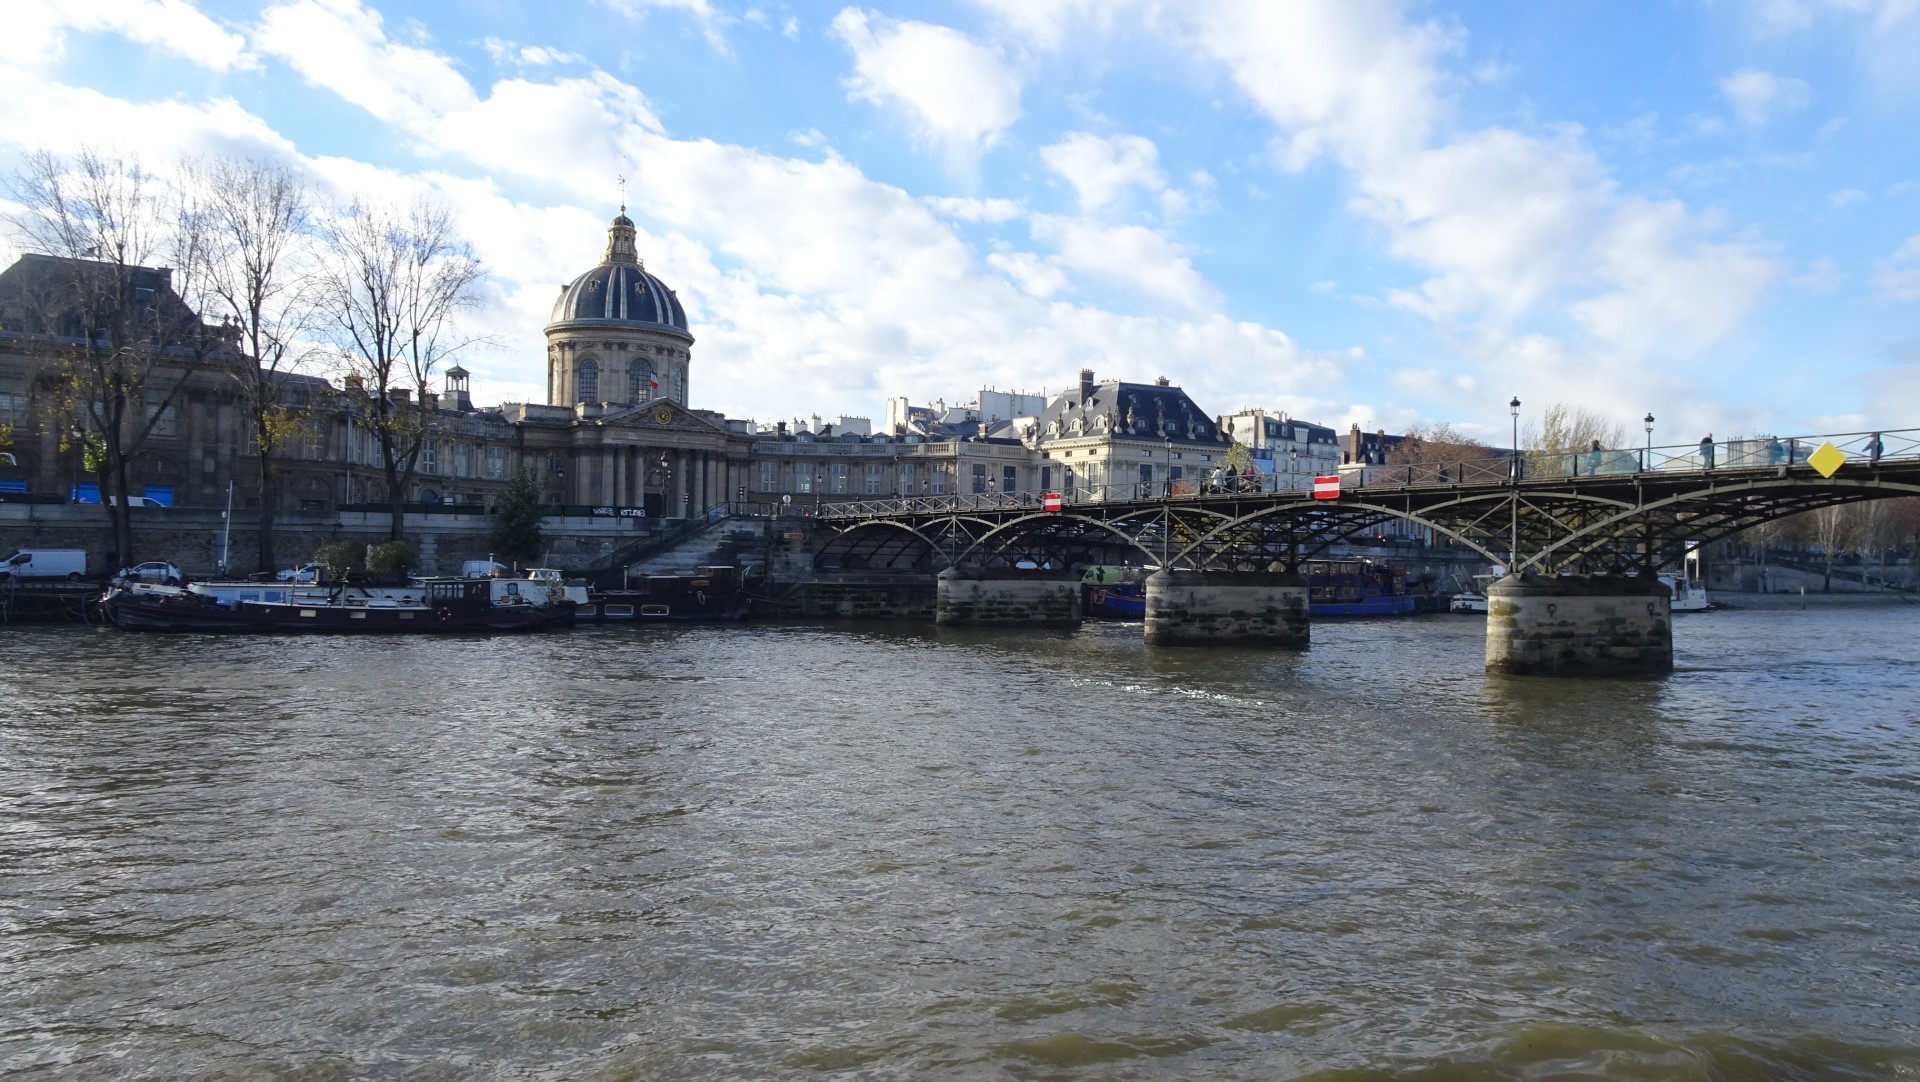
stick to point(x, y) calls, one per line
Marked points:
point(979, 477)
point(1009, 479)
point(165, 421)
point(769, 476)
point(641, 383)
point(462, 460)
point(874, 473)
point(906, 480)
point(430, 457)
point(589, 382)
point(840, 477)
point(13, 408)
point(496, 463)
point(802, 477)
point(937, 479)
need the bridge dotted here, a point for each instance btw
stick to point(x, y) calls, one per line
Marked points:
point(1576, 528)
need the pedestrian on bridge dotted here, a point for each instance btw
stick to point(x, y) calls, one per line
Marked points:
point(1874, 449)
point(1706, 451)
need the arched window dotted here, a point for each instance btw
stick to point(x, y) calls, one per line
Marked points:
point(588, 382)
point(641, 384)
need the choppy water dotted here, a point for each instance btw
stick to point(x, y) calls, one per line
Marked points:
point(893, 852)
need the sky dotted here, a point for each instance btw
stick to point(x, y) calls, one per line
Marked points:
point(1351, 211)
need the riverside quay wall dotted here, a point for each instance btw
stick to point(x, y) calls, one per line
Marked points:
point(193, 539)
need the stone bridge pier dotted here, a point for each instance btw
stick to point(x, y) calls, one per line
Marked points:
point(1579, 625)
point(1207, 608)
point(989, 597)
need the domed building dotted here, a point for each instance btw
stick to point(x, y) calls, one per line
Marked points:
point(617, 335)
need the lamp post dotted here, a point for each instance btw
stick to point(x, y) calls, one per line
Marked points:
point(1647, 461)
point(1293, 468)
point(1513, 550)
point(75, 437)
point(1169, 468)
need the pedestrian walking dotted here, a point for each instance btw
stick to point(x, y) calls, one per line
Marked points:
point(1874, 448)
point(1706, 451)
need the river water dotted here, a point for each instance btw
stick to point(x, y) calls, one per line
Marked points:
point(899, 852)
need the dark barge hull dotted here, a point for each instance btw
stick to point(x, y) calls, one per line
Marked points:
point(273, 618)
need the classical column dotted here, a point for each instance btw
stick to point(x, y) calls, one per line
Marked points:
point(681, 465)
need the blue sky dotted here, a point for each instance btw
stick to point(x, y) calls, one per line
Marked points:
point(1351, 211)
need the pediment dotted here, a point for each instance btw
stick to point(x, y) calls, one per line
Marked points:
point(660, 415)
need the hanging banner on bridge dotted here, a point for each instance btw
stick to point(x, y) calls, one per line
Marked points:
point(1326, 488)
point(1050, 501)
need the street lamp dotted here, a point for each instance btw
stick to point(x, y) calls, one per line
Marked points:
point(1649, 459)
point(1169, 469)
point(1513, 550)
point(1293, 468)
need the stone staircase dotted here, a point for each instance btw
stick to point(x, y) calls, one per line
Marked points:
point(737, 542)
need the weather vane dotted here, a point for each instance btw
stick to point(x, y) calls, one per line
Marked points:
point(623, 192)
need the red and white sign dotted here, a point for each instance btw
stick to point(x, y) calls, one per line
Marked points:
point(1050, 501)
point(1326, 488)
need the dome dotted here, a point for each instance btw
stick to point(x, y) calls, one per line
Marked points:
point(620, 293)
point(620, 290)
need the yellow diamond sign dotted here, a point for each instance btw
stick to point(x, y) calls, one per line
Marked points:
point(1827, 459)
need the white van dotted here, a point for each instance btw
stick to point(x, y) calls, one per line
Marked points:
point(482, 569)
point(69, 564)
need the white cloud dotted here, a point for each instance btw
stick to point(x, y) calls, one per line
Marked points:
point(1756, 96)
point(341, 46)
point(1899, 277)
point(35, 31)
point(957, 93)
point(1785, 16)
point(527, 56)
point(1821, 276)
point(1035, 276)
point(1847, 197)
point(976, 210)
point(1102, 168)
point(711, 21)
point(1130, 255)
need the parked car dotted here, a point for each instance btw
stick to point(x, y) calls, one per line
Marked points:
point(153, 571)
point(69, 564)
point(303, 573)
point(136, 501)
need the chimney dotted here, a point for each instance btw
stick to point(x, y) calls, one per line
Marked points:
point(1162, 381)
point(1086, 384)
point(780, 429)
point(399, 394)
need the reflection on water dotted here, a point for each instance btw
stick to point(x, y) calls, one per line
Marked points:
point(901, 852)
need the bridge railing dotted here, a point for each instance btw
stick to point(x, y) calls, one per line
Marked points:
point(1744, 453)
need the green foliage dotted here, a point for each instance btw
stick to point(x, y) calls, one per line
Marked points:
point(93, 452)
point(391, 558)
point(516, 518)
point(341, 556)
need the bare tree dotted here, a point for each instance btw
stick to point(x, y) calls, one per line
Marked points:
point(111, 299)
point(257, 219)
point(1833, 530)
point(393, 285)
point(1565, 429)
point(1439, 442)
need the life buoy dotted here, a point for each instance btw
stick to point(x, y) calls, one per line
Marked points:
point(445, 613)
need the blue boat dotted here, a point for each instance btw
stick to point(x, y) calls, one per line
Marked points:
point(1356, 588)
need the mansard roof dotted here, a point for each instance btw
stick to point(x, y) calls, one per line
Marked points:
point(1135, 411)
